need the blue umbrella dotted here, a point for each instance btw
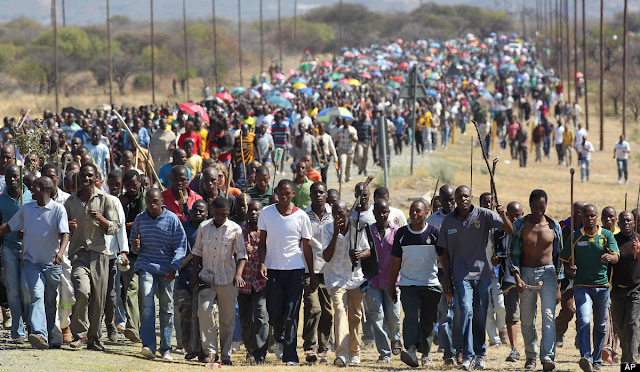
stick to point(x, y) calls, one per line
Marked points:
point(238, 90)
point(300, 80)
point(432, 92)
point(376, 73)
point(280, 101)
point(434, 45)
point(307, 91)
point(486, 94)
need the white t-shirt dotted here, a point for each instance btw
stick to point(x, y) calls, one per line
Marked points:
point(580, 134)
point(586, 150)
point(284, 234)
point(620, 147)
point(557, 135)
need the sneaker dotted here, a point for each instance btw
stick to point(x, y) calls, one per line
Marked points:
point(619, 180)
point(292, 364)
point(235, 346)
point(559, 340)
point(530, 364)
point(384, 360)
point(311, 357)
point(132, 335)
point(355, 359)
point(585, 365)
point(279, 350)
point(250, 359)
point(514, 355)
point(179, 351)
point(409, 357)
point(148, 353)
point(426, 361)
point(466, 365)
point(167, 356)
point(481, 362)
point(38, 341)
point(597, 367)
point(341, 361)
point(322, 358)
point(18, 341)
point(76, 344)
point(112, 333)
point(229, 363)
point(396, 347)
point(6, 317)
point(459, 356)
point(548, 365)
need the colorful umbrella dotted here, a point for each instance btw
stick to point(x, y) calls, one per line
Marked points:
point(453, 51)
point(403, 65)
point(327, 64)
point(280, 101)
point(328, 85)
point(291, 71)
point(327, 115)
point(225, 96)
point(288, 95)
point(365, 75)
point(433, 76)
point(298, 86)
point(279, 77)
point(252, 93)
point(373, 68)
point(483, 46)
point(578, 74)
point(238, 91)
point(353, 82)
point(399, 41)
point(192, 108)
point(341, 87)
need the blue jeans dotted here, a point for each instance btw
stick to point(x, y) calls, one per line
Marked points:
point(528, 311)
point(588, 299)
point(622, 168)
point(149, 283)
point(237, 334)
point(446, 134)
point(547, 146)
point(40, 288)
point(449, 325)
point(11, 258)
point(384, 315)
point(584, 169)
point(473, 298)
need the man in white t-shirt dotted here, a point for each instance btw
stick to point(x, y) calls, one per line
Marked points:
point(281, 256)
point(557, 140)
point(621, 153)
point(580, 134)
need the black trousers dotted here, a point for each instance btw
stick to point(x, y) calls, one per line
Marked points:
point(284, 296)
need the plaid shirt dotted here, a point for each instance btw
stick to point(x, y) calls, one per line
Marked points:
point(251, 273)
point(515, 246)
point(343, 138)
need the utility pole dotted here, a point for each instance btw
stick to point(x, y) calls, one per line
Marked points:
point(560, 46)
point(575, 46)
point(261, 40)
point(240, 40)
point(340, 23)
point(109, 53)
point(54, 20)
point(538, 4)
point(601, 75)
point(524, 20)
point(584, 62)
point(215, 43)
point(295, 19)
point(186, 48)
point(279, 32)
point(566, 15)
point(153, 61)
point(624, 72)
point(64, 18)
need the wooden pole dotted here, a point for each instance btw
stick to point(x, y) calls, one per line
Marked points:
point(240, 41)
point(186, 48)
point(584, 68)
point(624, 72)
point(64, 17)
point(559, 43)
point(109, 53)
point(340, 25)
point(575, 47)
point(54, 20)
point(573, 221)
point(566, 18)
point(215, 42)
point(153, 61)
point(295, 19)
point(261, 40)
point(279, 32)
point(524, 20)
point(471, 161)
point(601, 75)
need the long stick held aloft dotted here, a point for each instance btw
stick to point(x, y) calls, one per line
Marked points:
point(155, 175)
point(573, 222)
point(433, 198)
point(484, 155)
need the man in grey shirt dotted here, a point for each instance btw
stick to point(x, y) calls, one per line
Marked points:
point(464, 234)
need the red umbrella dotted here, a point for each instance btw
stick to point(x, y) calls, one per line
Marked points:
point(192, 108)
point(464, 55)
point(403, 65)
point(327, 63)
point(453, 51)
point(373, 68)
point(483, 46)
point(365, 75)
point(399, 41)
point(225, 96)
point(578, 74)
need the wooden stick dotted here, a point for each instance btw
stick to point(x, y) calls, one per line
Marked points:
point(471, 183)
point(484, 155)
point(244, 166)
point(155, 175)
point(23, 119)
point(21, 202)
point(229, 180)
point(433, 198)
point(493, 188)
point(625, 201)
point(573, 221)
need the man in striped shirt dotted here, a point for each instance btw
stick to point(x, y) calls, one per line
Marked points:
point(280, 131)
point(157, 236)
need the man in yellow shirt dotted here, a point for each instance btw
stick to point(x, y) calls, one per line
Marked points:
point(426, 133)
point(567, 144)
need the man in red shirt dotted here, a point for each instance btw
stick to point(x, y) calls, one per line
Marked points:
point(188, 133)
point(512, 129)
point(179, 198)
point(312, 173)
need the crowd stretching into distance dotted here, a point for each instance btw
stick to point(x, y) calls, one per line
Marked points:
point(182, 206)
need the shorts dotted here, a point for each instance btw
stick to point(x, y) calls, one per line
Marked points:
point(511, 303)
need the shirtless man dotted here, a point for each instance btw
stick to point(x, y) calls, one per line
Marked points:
point(533, 258)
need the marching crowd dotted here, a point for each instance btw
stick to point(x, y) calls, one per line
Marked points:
point(179, 204)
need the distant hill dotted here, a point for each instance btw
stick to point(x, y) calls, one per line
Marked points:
point(87, 12)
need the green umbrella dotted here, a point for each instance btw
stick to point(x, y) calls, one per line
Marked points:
point(394, 84)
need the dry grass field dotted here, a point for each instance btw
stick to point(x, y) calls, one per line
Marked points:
point(513, 183)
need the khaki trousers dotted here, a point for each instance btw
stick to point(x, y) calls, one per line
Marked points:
point(347, 312)
point(226, 294)
point(90, 276)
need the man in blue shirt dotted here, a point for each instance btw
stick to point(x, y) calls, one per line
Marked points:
point(400, 124)
point(12, 249)
point(179, 158)
point(46, 235)
point(160, 255)
point(85, 133)
point(99, 151)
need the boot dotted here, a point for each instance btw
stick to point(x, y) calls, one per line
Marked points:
point(6, 316)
